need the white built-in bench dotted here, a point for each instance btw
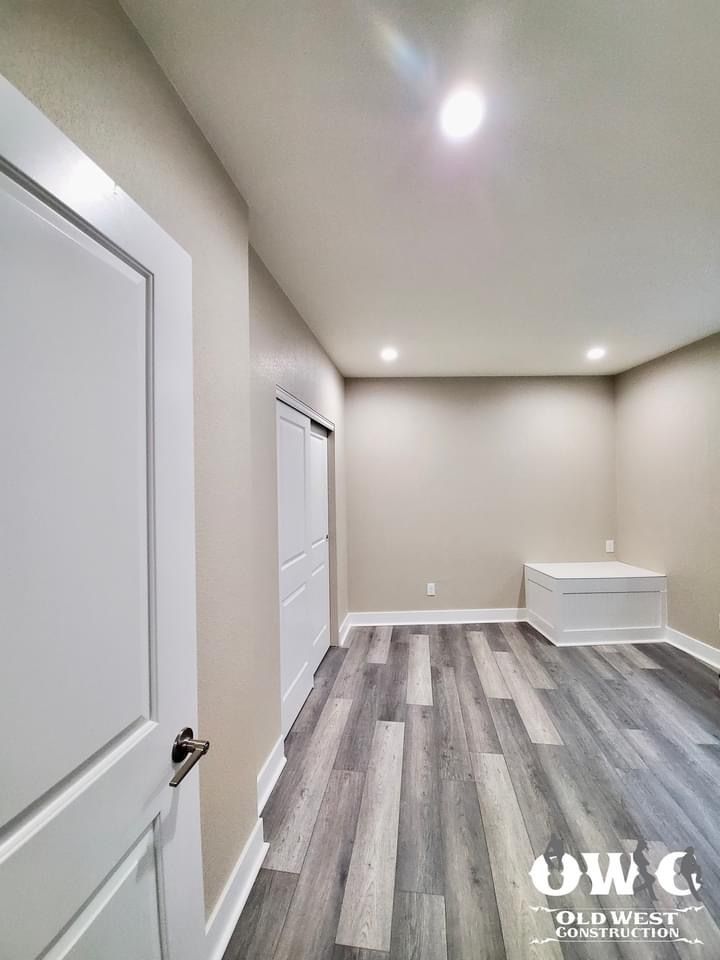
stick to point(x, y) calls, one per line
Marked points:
point(606, 602)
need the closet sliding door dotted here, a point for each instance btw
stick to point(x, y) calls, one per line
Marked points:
point(303, 555)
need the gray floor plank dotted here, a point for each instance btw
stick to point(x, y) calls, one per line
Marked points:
point(667, 709)
point(418, 927)
point(350, 675)
point(535, 672)
point(258, 930)
point(585, 810)
point(452, 740)
point(354, 750)
point(617, 746)
point(539, 726)
point(479, 728)
point(596, 667)
point(473, 924)
point(600, 778)
point(379, 645)
point(419, 856)
point(636, 656)
point(543, 817)
point(692, 690)
point(341, 952)
point(323, 682)
point(693, 674)
point(495, 637)
point(648, 747)
point(510, 853)
point(611, 655)
point(366, 914)
point(487, 667)
point(289, 834)
point(311, 922)
point(392, 684)
point(419, 683)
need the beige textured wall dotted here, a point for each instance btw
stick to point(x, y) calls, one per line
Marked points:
point(668, 480)
point(83, 65)
point(285, 353)
point(460, 481)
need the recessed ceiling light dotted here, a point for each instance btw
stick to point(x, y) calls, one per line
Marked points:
point(596, 353)
point(462, 113)
point(389, 354)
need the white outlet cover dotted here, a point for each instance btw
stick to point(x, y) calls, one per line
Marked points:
point(431, 590)
point(609, 546)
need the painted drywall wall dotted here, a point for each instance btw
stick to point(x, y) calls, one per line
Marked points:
point(459, 481)
point(668, 480)
point(84, 66)
point(283, 352)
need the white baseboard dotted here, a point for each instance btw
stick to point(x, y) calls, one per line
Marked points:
point(268, 776)
point(345, 628)
point(399, 618)
point(696, 648)
point(224, 917)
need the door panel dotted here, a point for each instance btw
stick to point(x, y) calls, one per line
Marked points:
point(98, 856)
point(121, 919)
point(303, 555)
point(319, 545)
point(293, 431)
point(291, 493)
point(73, 371)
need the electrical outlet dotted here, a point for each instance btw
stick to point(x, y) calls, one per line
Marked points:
point(609, 546)
point(430, 590)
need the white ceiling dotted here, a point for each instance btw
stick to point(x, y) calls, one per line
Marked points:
point(586, 211)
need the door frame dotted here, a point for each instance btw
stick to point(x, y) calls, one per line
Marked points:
point(38, 156)
point(292, 401)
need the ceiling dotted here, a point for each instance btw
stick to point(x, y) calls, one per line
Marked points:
point(586, 210)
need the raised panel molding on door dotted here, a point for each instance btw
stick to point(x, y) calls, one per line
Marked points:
point(303, 552)
point(99, 857)
point(293, 432)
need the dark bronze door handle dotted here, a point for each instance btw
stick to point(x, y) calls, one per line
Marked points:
point(185, 748)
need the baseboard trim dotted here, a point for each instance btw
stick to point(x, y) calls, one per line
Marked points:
point(269, 773)
point(696, 648)
point(399, 618)
point(345, 628)
point(226, 912)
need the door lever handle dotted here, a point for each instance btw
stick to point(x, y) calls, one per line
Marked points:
point(187, 749)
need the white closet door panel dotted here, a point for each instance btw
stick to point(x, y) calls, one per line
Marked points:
point(296, 670)
point(294, 628)
point(292, 493)
point(318, 493)
point(319, 584)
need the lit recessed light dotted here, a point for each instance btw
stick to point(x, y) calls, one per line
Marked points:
point(462, 113)
point(596, 353)
point(389, 354)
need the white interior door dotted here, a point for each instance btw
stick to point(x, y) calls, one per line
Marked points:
point(303, 555)
point(319, 545)
point(99, 857)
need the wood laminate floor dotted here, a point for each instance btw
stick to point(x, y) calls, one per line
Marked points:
point(432, 764)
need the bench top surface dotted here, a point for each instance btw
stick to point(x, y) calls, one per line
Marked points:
point(604, 569)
